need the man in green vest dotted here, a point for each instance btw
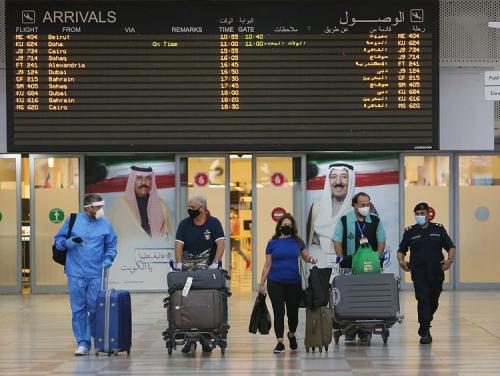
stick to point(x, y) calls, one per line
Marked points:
point(357, 227)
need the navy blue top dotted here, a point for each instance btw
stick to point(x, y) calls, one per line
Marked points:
point(285, 265)
point(198, 239)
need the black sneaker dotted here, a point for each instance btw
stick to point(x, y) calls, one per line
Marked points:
point(293, 342)
point(350, 337)
point(426, 338)
point(280, 347)
point(187, 348)
point(206, 348)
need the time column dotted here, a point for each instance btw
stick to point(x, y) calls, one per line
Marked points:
point(229, 72)
point(26, 72)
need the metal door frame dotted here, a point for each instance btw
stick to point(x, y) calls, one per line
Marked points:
point(17, 288)
point(51, 289)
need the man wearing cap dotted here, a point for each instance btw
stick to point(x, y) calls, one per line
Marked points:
point(427, 265)
point(140, 214)
point(90, 248)
point(335, 201)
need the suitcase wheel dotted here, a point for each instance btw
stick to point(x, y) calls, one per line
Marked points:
point(223, 350)
point(97, 353)
point(169, 350)
point(314, 349)
point(326, 348)
point(307, 349)
point(193, 347)
point(128, 352)
point(336, 336)
point(385, 335)
point(320, 349)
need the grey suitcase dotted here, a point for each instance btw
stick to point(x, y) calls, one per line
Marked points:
point(202, 279)
point(318, 328)
point(365, 297)
point(199, 310)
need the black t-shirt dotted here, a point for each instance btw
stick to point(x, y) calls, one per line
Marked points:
point(200, 239)
point(426, 245)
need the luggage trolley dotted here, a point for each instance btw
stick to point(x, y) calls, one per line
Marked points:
point(365, 301)
point(214, 335)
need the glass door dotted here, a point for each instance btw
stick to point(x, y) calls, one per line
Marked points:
point(208, 176)
point(10, 223)
point(55, 194)
point(278, 189)
point(427, 179)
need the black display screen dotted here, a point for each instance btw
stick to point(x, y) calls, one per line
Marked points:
point(222, 75)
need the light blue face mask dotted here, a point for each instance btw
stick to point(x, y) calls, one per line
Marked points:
point(421, 219)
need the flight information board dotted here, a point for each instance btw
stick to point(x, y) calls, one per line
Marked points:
point(222, 75)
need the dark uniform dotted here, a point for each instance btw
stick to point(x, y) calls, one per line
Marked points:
point(426, 254)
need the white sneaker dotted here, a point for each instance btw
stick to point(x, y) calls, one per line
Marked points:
point(80, 351)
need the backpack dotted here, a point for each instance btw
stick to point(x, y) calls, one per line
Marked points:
point(365, 260)
point(60, 256)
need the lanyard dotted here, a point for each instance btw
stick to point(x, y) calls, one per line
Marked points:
point(361, 229)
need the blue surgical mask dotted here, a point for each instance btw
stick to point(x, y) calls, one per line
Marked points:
point(421, 219)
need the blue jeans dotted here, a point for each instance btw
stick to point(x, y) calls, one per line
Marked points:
point(83, 293)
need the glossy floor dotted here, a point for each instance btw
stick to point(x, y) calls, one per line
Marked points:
point(36, 339)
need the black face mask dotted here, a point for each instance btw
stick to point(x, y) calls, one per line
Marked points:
point(194, 213)
point(286, 230)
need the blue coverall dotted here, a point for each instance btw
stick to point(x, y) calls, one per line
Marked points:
point(84, 263)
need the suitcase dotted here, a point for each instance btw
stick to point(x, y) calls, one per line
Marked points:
point(113, 320)
point(202, 279)
point(318, 328)
point(199, 310)
point(365, 297)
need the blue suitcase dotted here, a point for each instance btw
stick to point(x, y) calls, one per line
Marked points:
point(113, 320)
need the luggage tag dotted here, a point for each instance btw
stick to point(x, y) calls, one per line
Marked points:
point(363, 240)
point(187, 286)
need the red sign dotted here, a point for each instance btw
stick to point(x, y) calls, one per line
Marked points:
point(201, 179)
point(432, 213)
point(277, 213)
point(278, 179)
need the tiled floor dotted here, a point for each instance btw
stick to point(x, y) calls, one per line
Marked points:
point(36, 339)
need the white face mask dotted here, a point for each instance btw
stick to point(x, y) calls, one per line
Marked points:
point(99, 213)
point(364, 211)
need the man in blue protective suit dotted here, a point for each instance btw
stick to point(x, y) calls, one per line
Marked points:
point(90, 248)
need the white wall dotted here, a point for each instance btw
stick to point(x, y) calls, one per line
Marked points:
point(466, 118)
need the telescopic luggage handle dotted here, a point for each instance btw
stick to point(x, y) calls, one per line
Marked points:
point(105, 277)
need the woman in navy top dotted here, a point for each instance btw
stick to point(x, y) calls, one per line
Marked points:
point(283, 278)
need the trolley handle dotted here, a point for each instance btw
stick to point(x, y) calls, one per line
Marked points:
point(105, 278)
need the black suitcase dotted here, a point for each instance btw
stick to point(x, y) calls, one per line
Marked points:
point(201, 310)
point(365, 297)
point(202, 279)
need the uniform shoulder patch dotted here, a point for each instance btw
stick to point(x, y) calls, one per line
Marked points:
point(408, 228)
point(438, 224)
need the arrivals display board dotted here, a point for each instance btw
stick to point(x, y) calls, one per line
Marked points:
point(222, 75)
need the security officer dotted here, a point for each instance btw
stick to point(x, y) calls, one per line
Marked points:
point(427, 264)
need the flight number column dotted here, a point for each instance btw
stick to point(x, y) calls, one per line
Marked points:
point(26, 72)
point(229, 67)
point(409, 73)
